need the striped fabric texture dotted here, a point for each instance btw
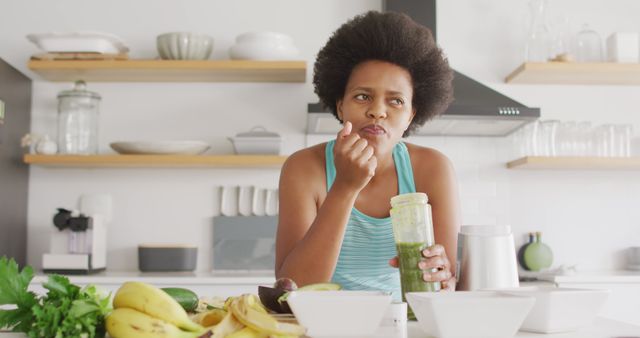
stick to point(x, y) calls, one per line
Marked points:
point(368, 242)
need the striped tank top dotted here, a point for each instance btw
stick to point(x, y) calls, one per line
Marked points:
point(368, 244)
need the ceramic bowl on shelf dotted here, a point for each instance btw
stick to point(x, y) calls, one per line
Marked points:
point(478, 314)
point(184, 46)
point(339, 313)
point(160, 147)
point(560, 309)
point(263, 46)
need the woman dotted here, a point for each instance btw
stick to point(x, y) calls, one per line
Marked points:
point(382, 75)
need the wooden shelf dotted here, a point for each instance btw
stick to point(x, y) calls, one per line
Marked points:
point(156, 161)
point(170, 70)
point(580, 163)
point(576, 73)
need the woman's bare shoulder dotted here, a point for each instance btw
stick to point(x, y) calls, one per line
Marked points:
point(425, 158)
point(307, 164)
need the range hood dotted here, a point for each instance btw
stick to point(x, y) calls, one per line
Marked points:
point(477, 110)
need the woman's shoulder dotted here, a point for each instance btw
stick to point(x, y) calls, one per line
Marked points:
point(425, 157)
point(429, 162)
point(307, 160)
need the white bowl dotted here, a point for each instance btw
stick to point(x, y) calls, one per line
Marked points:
point(263, 46)
point(561, 309)
point(339, 313)
point(160, 147)
point(184, 46)
point(478, 314)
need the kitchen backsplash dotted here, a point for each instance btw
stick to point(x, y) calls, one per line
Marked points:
point(588, 217)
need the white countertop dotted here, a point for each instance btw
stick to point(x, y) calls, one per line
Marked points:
point(182, 278)
point(601, 328)
point(603, 276)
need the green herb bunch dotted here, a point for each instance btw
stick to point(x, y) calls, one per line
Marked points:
point(65, 311)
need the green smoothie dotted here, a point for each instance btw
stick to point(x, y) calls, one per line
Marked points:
point(409, 255)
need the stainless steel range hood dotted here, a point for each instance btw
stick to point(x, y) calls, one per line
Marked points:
point(477, 110)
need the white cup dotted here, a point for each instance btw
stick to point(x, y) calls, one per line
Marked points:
point(245, 200)
point(229, 201)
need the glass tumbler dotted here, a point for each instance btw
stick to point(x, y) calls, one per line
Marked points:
point(588, 46)
point(78, 120)
point(413, 232)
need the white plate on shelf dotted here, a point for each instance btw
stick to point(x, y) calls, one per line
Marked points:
point(160, 147)
point(77, 42)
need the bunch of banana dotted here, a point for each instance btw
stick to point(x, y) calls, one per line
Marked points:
point(144, 311)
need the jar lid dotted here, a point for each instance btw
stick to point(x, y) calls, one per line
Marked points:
point(79, 90)
point(258, 131)
point(410, 198)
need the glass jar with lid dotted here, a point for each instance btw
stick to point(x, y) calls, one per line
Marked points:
point(78, 120)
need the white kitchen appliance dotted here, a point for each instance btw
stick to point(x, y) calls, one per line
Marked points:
point(79, 243)
point(486, 258)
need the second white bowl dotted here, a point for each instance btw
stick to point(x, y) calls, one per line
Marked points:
point(339, 313)
point(478, 314)
point(561, 309)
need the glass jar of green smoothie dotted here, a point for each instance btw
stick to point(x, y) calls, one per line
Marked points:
point(413, 232)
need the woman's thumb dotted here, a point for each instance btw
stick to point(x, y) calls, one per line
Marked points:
point(346, 130)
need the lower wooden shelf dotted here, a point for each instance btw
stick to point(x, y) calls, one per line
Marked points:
point(156, 161)
point(598, 163)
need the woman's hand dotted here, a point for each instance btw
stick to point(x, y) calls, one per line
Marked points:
point(354, 160)
point(435, 257)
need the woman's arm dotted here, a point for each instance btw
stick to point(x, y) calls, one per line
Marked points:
point(436, 177)
point(309, 238)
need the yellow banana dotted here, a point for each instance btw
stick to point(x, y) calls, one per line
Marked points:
point(129, 323)
point(248, 311)
point(154, 302)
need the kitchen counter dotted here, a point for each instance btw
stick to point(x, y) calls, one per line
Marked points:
point(601, 328)
point(182, 278)
point(209, 284)
point(604, 276)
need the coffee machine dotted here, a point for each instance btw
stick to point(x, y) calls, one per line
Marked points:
point(78, 244)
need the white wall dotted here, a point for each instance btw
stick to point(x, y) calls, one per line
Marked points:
point(587, 217)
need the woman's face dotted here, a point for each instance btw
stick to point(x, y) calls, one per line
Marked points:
point(377, 101)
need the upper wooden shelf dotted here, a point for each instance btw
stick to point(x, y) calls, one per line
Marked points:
point(156, 161)
point(170, 70)
point(598, 163)
point(576, 73)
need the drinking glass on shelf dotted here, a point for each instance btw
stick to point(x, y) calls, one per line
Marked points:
point(583, 138)
point(623, 133)
point(539, 42)
point(588, 45)
point(565, 138)
point(546, 139)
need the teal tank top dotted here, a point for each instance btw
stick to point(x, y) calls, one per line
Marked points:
point(368, 244)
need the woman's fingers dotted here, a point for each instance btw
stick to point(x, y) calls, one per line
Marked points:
point(436, 276)
point(434, 250)
point(449, 285)
point(437, 262)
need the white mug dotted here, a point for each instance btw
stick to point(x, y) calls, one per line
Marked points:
point(229, 201)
